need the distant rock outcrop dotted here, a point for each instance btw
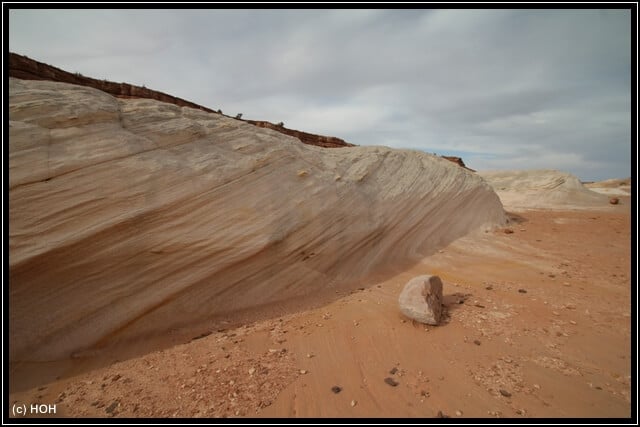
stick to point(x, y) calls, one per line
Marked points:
point(458, 161)
point(542, 189)
point(307, 138)
point(130, 217)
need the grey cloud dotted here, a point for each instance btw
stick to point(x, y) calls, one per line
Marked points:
point(500, 86)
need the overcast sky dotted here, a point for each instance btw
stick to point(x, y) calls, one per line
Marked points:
point(504, 89)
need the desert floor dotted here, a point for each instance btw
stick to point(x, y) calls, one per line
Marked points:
point(538, 325)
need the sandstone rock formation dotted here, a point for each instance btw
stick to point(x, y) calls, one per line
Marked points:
point(28, 69)
point(611, 187)
point(421, 299)
point(545, 189)
point(129, 217)
point(306, 138)
point(458, 161)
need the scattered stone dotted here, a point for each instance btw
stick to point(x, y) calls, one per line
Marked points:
point(354, 403)
point(252, 371)
point(522, 291)
point(441, 415)
point(479, 305)
point(309, 355)
point(573, 322)
point(202, 335)
point(336, 389)
point(421, 299)
point(508, 231)
point(391, 382)
point(111, 408)
point(393, 371)
point(476, 342)
point(505, 393)
point(458, 413)
point(614, 200)
point(116, 377)
point(598, 387)
point(489, 288)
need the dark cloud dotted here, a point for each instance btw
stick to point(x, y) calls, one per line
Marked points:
point(509, 88)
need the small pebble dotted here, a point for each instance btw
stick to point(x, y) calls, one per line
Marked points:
point(458, 413)
point(441, 415)
point(251, 371)
point(572, 322)
point(489, 287)
point(393, 371)
point(354, 403)
point(391, 382)
point(303, 371)
point(336, 389)
point(505, 393)
point(476, 342)
point(522, 291)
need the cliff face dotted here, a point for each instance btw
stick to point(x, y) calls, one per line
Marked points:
point(130, 217)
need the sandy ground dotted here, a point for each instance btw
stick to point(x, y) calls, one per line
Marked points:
point(538, 325)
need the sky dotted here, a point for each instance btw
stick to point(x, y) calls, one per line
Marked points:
point(503, 89)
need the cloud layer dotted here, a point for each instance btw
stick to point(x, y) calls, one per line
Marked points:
point(503, 88)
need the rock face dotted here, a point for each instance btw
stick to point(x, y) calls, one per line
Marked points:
point(458, 161)
point(542, 189)
point(306, 138)
point(421, 299)
point(26, 68)
point(131, 217)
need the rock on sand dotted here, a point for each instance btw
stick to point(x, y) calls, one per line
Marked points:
point(421, 299)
